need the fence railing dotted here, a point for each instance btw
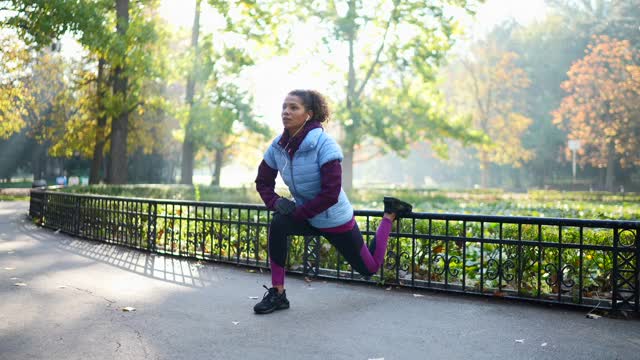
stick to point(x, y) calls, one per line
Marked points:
point(588, 263)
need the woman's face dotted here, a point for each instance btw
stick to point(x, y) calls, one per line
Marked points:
point(294, 114)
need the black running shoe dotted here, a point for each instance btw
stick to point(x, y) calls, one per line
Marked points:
point(272, 301)
point(395, 206)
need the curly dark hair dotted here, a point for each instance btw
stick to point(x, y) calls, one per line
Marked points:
point(314, 101)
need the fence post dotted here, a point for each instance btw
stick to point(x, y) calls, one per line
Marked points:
point(636, 276)
point(151, 226)
point(624, 279)
point(43, 208)
point(615, 297)
point(77, 217)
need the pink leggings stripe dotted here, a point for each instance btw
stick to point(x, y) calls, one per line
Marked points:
point(375, 260)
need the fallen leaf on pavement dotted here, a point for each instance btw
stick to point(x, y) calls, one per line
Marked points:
point(253, 297)
point(593, 316)
point(251, 270)
point(521, 341)
point(57, 231)
point(20, 284)
point(418, 295)
point(307, 280)
point(388, 289)
point(543, 344)
point(128, 309)
point(235, 322)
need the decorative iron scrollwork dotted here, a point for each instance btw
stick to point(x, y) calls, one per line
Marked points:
point(627, 240)
point(551, 270)
point(437, 270)
point(446, 262)
point(393, 260)
point(311, 255)
point(496, 268)
point(453, 259)
point(555, 275)
point(625, 279)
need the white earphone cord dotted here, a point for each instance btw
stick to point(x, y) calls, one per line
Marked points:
point(286, 161)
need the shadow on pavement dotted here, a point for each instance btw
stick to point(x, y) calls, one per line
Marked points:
point(185, 272)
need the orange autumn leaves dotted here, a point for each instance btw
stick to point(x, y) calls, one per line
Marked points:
point(602, 108)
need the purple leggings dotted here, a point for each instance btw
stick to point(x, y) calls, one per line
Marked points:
point(350, 244)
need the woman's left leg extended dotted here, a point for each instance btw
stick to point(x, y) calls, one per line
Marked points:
point(352, 247)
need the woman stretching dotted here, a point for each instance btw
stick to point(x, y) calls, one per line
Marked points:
point(309, 162)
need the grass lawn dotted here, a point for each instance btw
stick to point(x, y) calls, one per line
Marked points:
point(16, 184)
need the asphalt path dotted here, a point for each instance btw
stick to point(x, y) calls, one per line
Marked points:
point(71, 294)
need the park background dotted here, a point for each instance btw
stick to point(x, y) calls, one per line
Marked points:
point(463, 106)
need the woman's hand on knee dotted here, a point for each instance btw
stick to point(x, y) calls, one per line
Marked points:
point(285, 206)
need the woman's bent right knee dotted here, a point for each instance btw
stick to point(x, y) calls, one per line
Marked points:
point(280, 221)
point(278, 239)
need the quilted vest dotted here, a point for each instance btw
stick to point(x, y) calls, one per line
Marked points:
point(302, 174)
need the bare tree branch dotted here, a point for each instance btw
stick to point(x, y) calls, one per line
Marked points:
point(378, 53)
point(476, 89)
point(88, 81)
point(139, 103)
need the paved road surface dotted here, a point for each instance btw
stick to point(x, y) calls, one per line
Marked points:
point(71, 308)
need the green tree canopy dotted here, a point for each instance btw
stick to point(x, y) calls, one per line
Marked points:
point(393, 51)
point(15, 58)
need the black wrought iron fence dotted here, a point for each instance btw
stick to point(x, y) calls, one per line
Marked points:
point(585, 263)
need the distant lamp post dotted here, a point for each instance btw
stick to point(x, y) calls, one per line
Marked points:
point(574, 145)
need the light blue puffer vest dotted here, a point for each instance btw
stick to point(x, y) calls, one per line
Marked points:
point(302, 174)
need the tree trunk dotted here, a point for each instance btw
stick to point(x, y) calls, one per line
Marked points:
point(173, 164)
point(347, 170)
point(517, 179)
point(484, 171)
point(98, 155)
point(610, 180)
point(38, 161)
point(188, 148)
point(602, 175)
point(120, 124)
point(351, 135)
point(217, 170)
point(106, 166)
point(186, 174)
